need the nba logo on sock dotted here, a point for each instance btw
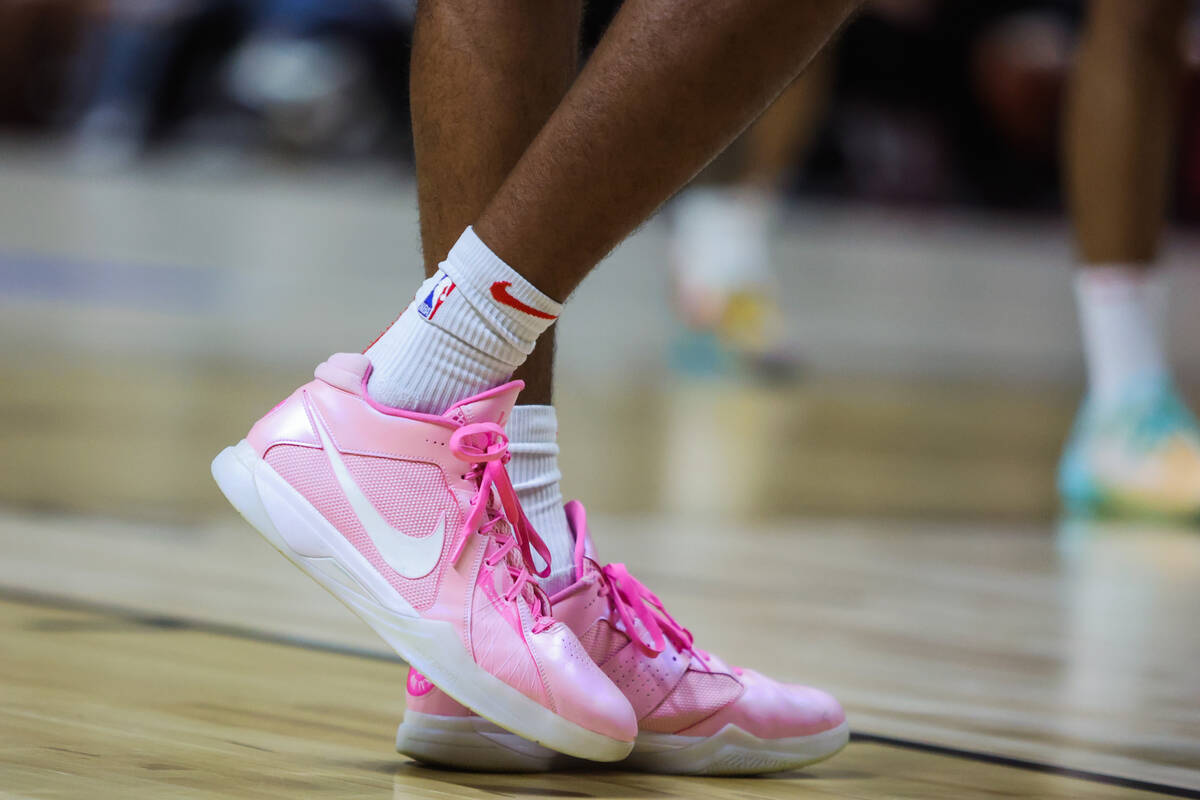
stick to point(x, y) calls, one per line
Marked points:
point(433, 301)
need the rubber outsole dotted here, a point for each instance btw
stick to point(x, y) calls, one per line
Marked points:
point(472, 743)
point(251, 485)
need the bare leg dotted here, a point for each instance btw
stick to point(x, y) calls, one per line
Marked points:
point(485, 77)
point(786, 128)
point(669, 86)
point(1120, 125)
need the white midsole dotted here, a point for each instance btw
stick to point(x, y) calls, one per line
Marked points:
point(312, 543)
point(469, 742)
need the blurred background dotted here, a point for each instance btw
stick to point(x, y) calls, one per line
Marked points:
point(200, 200)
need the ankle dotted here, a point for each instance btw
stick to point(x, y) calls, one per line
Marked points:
point(466, 330)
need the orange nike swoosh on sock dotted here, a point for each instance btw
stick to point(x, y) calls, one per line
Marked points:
point(500, 292)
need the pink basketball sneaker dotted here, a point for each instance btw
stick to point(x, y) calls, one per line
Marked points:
point(697, 715)
point(411, 521)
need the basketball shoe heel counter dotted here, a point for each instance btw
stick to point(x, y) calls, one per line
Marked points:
point(286, 423)
point(339, 377)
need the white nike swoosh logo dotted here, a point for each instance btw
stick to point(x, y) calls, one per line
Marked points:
point(412, 558)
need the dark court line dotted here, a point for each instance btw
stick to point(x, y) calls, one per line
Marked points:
point(167, 622)
point(1025, 764)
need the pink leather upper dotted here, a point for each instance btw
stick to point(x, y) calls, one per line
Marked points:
point(406, 467)
point(676, 690)
point(773, 710)
point(577, 689)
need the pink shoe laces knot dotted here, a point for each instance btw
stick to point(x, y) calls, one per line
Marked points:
point(631, 599)
point(496, 511)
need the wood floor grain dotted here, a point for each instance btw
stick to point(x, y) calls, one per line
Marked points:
point(1075, 647)
point(96, 705)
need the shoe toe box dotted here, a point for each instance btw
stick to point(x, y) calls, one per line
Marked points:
point(769, 709)
point(579, 691)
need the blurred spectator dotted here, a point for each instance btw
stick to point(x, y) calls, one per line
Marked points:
point(38, 43)
point(327, 77)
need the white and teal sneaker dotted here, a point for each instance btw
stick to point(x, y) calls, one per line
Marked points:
point(1140, 456)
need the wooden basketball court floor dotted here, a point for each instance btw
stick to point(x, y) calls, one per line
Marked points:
point(975, 660)
point(888, 540)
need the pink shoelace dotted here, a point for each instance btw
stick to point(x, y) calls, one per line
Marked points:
point(485, 446)
point(631, 599)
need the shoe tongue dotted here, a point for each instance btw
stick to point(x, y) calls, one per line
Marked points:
point(494, 405)
point(344, 371)
point(585, 549)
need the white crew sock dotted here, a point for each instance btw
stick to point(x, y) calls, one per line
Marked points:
point(467, 329)
point(1122, 314)
point(533, 441)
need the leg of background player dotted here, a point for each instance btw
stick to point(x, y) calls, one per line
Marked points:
point(720, 250)
point(1119, 135)
point(785, 131)
point(1120, 127)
